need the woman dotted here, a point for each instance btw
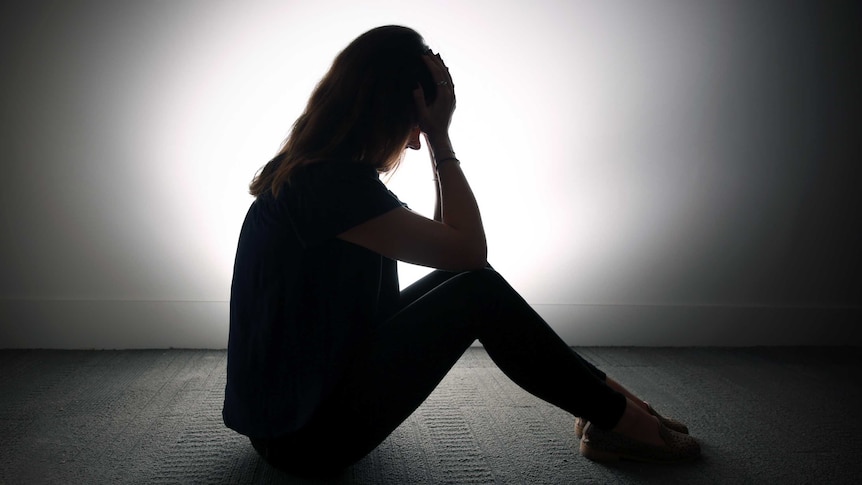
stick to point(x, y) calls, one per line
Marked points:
point(325, 356)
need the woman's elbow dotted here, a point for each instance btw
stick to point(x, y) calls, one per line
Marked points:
point(480, 259)
point(471, 258)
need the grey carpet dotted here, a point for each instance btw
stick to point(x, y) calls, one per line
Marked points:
point(763, 415)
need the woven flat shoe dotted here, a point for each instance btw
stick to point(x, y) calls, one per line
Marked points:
point(606, 446)
point(671, 423)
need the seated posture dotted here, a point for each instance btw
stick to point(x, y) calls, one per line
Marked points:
point(325, 356)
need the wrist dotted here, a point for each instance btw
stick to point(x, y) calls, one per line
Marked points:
point(441, 162)
point(440, 146)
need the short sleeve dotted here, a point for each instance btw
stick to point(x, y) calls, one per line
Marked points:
point(325, 199)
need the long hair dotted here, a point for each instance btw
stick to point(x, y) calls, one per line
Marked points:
point(361, 111)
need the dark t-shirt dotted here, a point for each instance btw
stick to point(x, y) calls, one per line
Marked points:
point(302, 301)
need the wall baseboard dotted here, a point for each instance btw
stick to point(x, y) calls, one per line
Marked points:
point(84, 324)
point(102, 324)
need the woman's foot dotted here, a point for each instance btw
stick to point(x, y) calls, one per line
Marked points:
point(638, 424)
point(670, 423)
point(673, 424)
point(637, 436)
point(607, 446)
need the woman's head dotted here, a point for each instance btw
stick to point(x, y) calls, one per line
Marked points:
point(362, 110)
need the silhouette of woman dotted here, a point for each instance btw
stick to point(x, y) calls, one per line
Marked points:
point(325, 356)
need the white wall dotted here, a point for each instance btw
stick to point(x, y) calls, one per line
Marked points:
point(649, 172)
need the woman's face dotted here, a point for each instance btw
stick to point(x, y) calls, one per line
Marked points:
point(413, 141)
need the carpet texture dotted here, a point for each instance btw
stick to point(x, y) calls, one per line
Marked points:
point(763, 415)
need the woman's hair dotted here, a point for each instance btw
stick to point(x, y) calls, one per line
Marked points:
point(361, 111)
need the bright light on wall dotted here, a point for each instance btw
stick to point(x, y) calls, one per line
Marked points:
point(620, 151)
point(698, 159)
point(547, 124)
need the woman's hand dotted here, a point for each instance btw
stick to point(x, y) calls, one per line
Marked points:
point(455, 239)
point(434, 119)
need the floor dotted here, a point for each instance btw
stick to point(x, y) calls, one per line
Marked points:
point(762, 415)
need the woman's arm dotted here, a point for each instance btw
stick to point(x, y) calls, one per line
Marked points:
point(455, 240)
point(438, 212)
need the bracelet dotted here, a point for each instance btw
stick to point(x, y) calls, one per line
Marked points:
point(438, 162)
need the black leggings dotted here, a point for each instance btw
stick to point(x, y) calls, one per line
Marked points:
point(410, 353)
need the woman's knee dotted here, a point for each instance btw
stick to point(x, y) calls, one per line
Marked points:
point(480, 285)
point(486, 275)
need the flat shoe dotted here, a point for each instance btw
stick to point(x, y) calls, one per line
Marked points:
point(606, 446)
point(671, 423)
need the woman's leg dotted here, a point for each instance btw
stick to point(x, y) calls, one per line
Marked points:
point(411, 353)
point(423, 286)
point(497, 347)
point(436, 278)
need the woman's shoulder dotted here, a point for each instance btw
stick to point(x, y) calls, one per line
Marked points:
point(336, 168)
point(330, 175)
